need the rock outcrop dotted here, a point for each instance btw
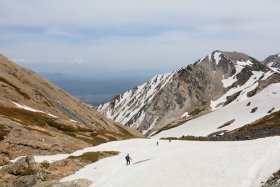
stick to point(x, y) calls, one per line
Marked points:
point(25, 172)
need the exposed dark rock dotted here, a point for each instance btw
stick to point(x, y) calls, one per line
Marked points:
point(273, 61)
point(275, 78)
point(254, 110)
point(226, 124)
point(218, 133)
point(273, 181)
point(232, 98)
point(271, 110)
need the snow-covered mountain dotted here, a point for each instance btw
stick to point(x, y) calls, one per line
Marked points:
point(209, 84)
point(273, 61)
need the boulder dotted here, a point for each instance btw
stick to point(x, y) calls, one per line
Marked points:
point(24, 172)
point(25, 181)
point(23, 166)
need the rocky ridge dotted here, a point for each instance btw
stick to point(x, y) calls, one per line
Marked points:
point(210, 83)
point(273, 61)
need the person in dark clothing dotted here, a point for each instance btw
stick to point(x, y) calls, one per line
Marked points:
point(127, 158)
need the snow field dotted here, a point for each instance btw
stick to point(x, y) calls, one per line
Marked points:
point(237, 110)
point(32, 109)
point(182, 163)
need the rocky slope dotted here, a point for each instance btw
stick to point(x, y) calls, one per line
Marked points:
point(273, 61)
point(26, 172)
point(171, 99)
point(273, 181)
point(37, 117)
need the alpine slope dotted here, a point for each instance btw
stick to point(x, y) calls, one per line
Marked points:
point(225, 81)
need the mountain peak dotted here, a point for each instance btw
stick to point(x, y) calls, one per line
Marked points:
point(273, 61)
point(218, 56)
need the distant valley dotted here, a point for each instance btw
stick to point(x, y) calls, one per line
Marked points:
point(92, 90)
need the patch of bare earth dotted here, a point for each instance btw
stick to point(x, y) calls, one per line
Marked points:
point(60, 169)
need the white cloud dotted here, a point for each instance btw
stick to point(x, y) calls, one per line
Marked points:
point(112, 14)
point(77, 61)
point(58, 32)
point(127, 34)
point(23, 61)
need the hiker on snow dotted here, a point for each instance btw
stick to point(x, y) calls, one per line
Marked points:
point(127, 158)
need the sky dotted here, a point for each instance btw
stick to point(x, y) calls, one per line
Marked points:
point(117, 37)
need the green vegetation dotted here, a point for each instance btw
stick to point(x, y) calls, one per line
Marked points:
point(30, 119)
point(27, 171)
point(190, 138)
point(193, 138)
point(125, 134)
point(195, 112)
point(27, 118)
point(48, 103)
point(45, 164)
point(101, 136)
point(92, 140)
point(94, 156)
